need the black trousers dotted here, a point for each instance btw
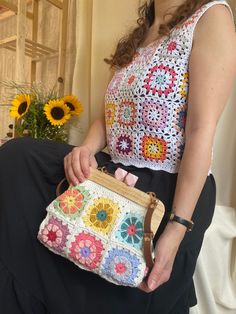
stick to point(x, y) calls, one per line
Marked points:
point(34, 280)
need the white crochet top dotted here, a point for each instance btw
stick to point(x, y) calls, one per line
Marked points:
point(146, 102)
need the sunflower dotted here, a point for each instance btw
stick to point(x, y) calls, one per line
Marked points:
point(74, 104)
point(20, 106)
point(57, 112)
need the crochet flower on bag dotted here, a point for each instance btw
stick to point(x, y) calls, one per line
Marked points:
point(121, 266)
point(130, 230)
point(72, 201)
point(87, 250)
point(101, 215)
point(54, 234)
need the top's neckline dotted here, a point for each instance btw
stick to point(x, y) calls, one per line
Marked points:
point(159, 41)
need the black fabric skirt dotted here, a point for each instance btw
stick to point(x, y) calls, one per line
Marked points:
point(34, 280)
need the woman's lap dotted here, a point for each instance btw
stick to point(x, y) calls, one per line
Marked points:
point(30, 171)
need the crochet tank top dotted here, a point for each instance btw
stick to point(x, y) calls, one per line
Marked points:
point(146, 101)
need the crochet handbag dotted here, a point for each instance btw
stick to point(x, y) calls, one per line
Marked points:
point(104, 226)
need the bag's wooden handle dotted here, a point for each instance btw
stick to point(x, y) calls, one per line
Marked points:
point(59, 187)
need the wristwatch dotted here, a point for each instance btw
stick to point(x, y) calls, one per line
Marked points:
point(187, 223)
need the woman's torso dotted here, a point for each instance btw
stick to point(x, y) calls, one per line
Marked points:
point(146, 102)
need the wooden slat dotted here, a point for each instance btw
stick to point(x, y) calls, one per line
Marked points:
point(20, 41)
point(43, 58)
point(7, 40)
point(6, 15)
point(13, 7)
point(34, 38)
point(62, 47)
point(56, 3)
point(13, 48)
point(38, 45)
point(30, 52)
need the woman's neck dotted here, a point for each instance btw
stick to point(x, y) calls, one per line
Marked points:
point(165, 6)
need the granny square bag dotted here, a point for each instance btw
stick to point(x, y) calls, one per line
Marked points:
point(104, 226)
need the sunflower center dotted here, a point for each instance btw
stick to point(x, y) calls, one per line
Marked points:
point(22, 107)
point(70, 105)
point(57, 113)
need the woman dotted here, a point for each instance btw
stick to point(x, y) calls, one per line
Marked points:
point(173, 76)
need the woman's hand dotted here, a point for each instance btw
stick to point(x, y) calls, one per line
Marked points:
point(77, 164)
point(165, 252)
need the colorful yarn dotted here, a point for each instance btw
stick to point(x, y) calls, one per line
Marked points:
point(121, 266)
point(101, 215)
point(86, 250)
point(54, 234)
point(71, 203)
point(130, 230)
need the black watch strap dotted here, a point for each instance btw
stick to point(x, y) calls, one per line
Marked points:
point(187, 223)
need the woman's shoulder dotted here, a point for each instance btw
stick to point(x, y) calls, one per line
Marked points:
point(216, 27)
point(216, 14)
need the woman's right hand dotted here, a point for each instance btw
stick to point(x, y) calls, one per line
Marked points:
point(77, 164)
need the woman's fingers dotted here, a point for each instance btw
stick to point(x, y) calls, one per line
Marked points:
point(85, 162)
point(158, 276)
point(77, 164)
point(70, 175)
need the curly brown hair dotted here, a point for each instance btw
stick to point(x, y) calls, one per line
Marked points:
point(127, 45)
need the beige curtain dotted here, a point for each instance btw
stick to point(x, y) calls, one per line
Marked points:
point(100, 23)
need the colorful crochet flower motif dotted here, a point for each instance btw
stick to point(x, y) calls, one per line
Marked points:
point(115, 82)
point(101, 215)
point(127, 113)
point(180, 118)
point(86, 250)
point(130, 230)
point(124, 144)
point(121, 266)
point(110, 114)
point(172, 46)
point(54, 234)
point(154, 115)
point(72, 201)
point(154, 148)
point(184, 85)
point(160, 79)
point(131, 79)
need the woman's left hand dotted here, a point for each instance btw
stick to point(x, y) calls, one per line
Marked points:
point(165, 252)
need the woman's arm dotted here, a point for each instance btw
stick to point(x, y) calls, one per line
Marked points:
point(212, 72)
